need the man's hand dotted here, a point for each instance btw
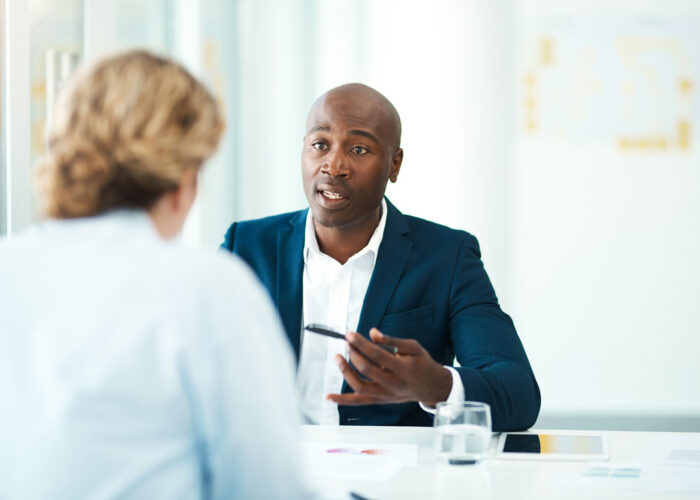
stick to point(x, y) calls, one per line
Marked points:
point(381, 377)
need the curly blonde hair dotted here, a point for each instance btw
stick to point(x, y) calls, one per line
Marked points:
point(123, 133)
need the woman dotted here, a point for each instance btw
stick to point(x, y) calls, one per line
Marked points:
point(130, 366)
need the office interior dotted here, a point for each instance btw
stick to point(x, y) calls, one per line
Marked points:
point(563, 134)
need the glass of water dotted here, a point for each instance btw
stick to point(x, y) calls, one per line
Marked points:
point(462, 432)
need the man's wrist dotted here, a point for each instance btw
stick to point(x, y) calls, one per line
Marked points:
point(441, 388)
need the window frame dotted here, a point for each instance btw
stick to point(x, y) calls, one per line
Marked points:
point(16, 186)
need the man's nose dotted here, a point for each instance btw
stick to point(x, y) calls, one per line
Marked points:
point(335, 165)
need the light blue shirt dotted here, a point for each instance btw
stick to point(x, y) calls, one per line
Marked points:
point(135, 368)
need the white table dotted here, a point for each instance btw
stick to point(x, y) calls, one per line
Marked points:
point(498, 479)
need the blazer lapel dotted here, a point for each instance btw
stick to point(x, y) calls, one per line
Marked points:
point(391, 261)
point(290, 265)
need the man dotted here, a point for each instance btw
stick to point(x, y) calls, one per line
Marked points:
point(355, 263)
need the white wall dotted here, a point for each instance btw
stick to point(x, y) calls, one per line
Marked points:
point(604, 267)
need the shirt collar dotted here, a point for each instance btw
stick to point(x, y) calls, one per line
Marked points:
point(311, 243)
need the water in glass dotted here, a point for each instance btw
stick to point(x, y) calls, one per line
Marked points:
point(462, 444)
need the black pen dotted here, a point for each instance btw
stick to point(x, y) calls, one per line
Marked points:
point(324, 330)
point(356, 496)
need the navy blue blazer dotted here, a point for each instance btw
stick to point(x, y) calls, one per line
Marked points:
point(428, 284)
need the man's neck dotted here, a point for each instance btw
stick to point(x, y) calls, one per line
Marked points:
point(341, 243)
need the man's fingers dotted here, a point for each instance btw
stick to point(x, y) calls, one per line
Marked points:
point(354, 399)
point(407, 347)
point(354, 380)
point(371, 351)
point(375, 373)
point(349, 374)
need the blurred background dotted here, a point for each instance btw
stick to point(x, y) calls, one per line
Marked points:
point(563, 134)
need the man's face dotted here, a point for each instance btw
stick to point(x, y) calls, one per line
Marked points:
point(348, 157)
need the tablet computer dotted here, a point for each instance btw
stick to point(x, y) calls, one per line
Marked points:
point(552, 446)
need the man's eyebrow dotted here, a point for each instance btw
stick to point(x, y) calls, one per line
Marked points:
point(317, 128)
point(363, 133)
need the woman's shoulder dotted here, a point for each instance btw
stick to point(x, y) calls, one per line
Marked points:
point(208, 274)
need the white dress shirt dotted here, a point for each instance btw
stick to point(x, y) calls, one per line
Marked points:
point(135, 368)
point(333, 296)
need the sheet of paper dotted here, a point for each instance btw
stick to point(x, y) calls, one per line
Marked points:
point(357, 461)
point(637, 477)
point(679, 450)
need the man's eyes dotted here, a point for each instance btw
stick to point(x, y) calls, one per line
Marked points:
point(322, 146)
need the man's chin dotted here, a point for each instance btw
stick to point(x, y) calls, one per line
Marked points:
point(329, 221)
point(340, 219)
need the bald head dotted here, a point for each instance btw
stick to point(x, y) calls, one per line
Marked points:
point(363, 104)
point(351, 151)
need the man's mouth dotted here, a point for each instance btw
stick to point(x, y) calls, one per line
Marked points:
point(332, 195)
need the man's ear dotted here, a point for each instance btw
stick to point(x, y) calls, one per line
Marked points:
point(396, 161)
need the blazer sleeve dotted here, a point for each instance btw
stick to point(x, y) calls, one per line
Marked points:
point(494, 367)
point(229, 237)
